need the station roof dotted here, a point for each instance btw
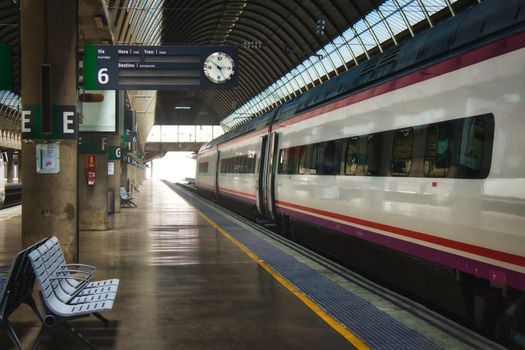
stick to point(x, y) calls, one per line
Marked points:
point(285, 47)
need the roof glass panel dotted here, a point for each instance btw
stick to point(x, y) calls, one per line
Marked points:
point(434, 6)
point(412, 11)
point(355, 44)
point(379, 27)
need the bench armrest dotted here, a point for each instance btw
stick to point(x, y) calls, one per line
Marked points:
point(81, 279)
point(93, 268)
point(67, 271)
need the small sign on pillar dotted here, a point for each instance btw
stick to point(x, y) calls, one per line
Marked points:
point(47, 158)
point(91, 167)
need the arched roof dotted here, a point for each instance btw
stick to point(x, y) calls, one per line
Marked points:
point(285, 47)
point(273, 36)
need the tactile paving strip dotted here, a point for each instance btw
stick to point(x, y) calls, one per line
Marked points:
point(374, 327)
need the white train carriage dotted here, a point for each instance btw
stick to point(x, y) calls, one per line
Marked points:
point(238, 168)
point(409, 168)
point(205, 179)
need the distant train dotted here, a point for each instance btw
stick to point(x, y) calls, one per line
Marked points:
point(410, 167)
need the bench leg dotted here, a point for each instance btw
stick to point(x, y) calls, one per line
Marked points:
point(79, 335)
point(11, 334)
point(31, 302)
point(102, 318)
point(38, 338)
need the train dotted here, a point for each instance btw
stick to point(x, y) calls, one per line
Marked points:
point(409, 168)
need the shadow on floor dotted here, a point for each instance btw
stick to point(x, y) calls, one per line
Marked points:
point(59, 337)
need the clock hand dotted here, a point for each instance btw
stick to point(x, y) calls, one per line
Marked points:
point(216, 65)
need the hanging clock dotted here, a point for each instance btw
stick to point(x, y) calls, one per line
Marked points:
point(219, 67)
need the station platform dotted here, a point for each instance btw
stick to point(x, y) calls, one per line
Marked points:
point(194, 277)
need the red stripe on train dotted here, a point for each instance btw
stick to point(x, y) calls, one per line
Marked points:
point(465, 247)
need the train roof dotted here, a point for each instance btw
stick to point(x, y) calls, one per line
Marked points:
point(484, 22)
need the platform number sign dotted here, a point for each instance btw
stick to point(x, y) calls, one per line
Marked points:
point(102, 76)
point(166, 67)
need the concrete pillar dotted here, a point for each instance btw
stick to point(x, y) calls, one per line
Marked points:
point(10, 173)
point(131, 180)
point(114, 180)
point(17, 165)
point(49, 203)
point(124, 175)
point(93, 200)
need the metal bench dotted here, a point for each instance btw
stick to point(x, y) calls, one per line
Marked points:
point(77, 286)
point(66, 293)
point(16, 288)
point(126, 200)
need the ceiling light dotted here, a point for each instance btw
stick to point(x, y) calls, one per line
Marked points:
point(99, 22)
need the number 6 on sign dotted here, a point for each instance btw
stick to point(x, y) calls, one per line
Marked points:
point(103, 77)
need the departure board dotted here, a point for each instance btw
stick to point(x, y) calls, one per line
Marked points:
point(116, 67)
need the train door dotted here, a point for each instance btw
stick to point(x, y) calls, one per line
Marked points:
point(217, 170)
point(260, 176)
point(269, 190)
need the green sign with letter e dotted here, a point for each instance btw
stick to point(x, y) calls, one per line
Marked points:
point(63, 123)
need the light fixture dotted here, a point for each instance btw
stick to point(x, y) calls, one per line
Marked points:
point(99, 22)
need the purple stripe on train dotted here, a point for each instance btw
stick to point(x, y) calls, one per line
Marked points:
point(493, 273)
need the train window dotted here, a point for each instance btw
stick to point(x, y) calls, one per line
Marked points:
point(289, 160)
point(250, 164)
point(283, 161)
point(402, 152)
point(374, 150)
point(438, 150)
point(238, 165)
point(329, 164)
point(308, 160)
point(203, 167)
point(247, 164)
point(352, 156)
point(471, 150)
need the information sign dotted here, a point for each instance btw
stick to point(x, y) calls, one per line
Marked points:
point(47, 158)
point(116, 67)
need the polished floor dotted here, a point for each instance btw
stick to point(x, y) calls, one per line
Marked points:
point(183, 286)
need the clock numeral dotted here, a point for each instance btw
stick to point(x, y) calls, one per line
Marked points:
point(209, 67)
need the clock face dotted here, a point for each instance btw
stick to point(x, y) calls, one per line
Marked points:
point(219, 67)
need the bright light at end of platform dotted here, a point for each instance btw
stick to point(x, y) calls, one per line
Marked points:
point(174, 167)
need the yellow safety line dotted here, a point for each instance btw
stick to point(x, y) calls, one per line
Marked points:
point(309, 302)
point(9, 217)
